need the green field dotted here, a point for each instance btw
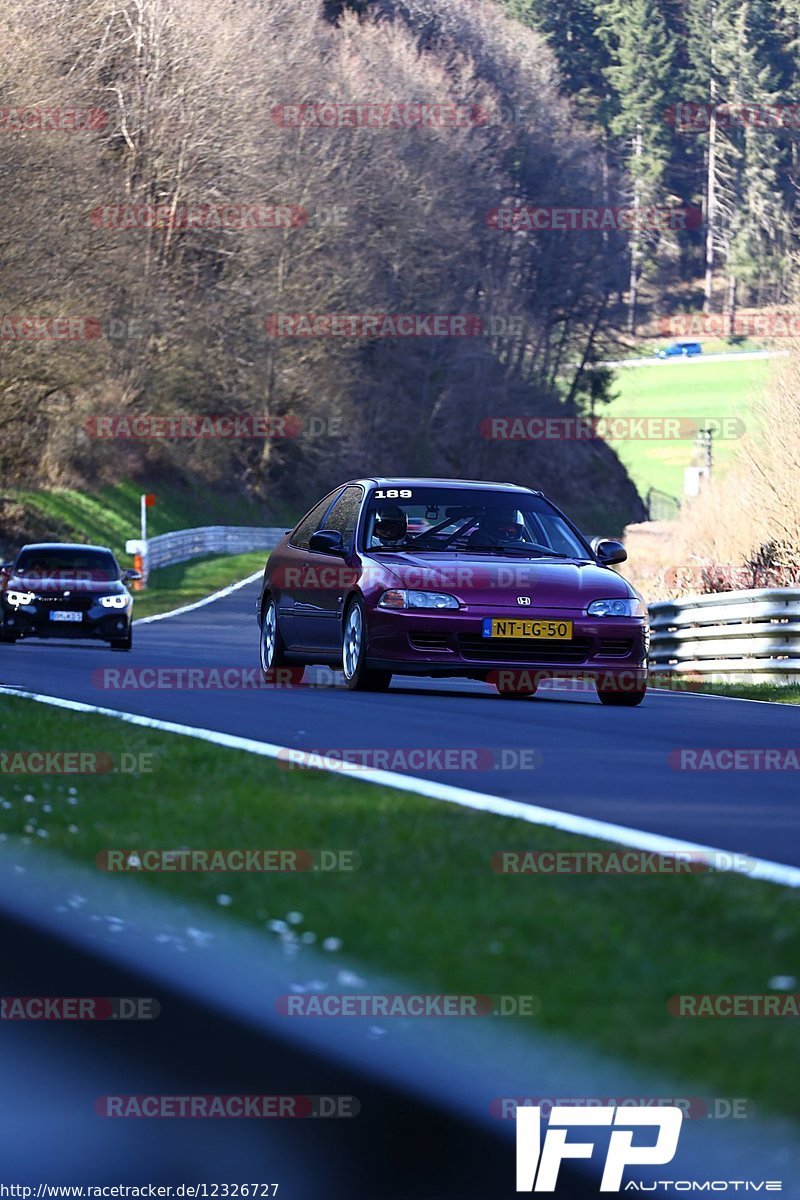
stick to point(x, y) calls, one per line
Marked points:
point(602, 953)
point(696, 390)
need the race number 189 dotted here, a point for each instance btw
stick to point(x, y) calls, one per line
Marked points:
point(393, 494)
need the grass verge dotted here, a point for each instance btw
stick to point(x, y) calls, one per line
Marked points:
point(183, 583)
point(603, 953)
point(111, 516)
point(777, 693)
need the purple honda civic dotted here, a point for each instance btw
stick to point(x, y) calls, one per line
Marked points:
point(445, 577)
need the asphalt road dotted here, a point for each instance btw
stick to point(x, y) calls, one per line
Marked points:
point(609, 764)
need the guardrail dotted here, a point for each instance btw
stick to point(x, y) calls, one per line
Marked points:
point(183, 544)
point(751, 636)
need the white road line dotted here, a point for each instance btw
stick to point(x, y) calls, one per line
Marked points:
point(176, 612)
point(533, 814)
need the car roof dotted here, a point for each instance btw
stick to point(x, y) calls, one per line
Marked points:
point(474, 484)
point(65, 546)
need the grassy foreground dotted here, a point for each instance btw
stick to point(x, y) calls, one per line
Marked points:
point(603, 953)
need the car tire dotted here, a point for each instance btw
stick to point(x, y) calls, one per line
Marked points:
point(271, 646)
point(618, 699)
point(125, 643)
point(358, 675)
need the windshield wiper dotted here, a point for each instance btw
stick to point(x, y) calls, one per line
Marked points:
point(519, 551)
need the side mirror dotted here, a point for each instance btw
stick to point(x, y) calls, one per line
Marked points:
point(609, 551)
point(326, 541)
point(7, 567)
point(131, 576)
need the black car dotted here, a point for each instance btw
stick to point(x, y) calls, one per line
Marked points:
point(66, 591)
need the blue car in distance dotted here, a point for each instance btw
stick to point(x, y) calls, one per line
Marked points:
point(680, 350)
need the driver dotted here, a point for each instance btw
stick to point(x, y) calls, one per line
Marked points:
point(391, 526)
point(499, 527)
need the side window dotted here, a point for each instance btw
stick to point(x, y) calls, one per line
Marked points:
point(310, 524)
point(343, 517)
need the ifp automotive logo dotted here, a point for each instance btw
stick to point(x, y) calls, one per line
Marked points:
point(538, 1164)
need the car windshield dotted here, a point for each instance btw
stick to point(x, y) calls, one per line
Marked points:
point(65, 565)
point(450, 520)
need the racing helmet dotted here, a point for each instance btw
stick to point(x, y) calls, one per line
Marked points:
point(502, 524)
point(391, 524)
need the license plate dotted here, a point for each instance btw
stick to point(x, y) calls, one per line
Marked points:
point(513, 627)
point(62, 615)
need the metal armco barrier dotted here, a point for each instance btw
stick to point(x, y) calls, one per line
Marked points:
point(751, 636)
point(176, 547)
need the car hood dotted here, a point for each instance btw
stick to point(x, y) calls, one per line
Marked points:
point(487, 580)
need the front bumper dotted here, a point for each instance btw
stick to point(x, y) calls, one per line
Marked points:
point(34, 620)
point(451, 643)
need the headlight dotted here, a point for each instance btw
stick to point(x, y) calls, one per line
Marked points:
point(15, 599)
point(114, 601)
point(616, 608)
point(400, 598)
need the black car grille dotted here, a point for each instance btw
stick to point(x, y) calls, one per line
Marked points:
point(524, 650)
point(615, 647)
point(57, 600)
point(430, 641)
